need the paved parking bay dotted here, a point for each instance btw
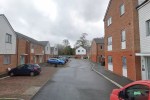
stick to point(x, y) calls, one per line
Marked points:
point(24, 86)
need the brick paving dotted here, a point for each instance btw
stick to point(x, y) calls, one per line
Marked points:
point(17, 86)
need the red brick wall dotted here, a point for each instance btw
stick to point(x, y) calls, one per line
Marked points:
point(96, 51)
point(22, 48)
point(129, 23)
point(3, 67)
point(46, 57)
point(38, 51)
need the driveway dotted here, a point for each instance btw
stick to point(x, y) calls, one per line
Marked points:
point(76, 82)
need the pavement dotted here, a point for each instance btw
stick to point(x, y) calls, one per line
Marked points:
point(120, 80)
point(24, 87)
point(76, 82)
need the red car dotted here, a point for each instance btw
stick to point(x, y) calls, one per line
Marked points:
point(138, 90)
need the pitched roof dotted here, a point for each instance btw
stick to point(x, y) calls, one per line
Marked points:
point(99, 40)
point(85, 47)
point(107, 9)
point(28, 38)
point(44, 43)
point(143, 3)
point(2, 15)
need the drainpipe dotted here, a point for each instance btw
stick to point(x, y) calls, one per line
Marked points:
point(17, 49)
point(97, 53)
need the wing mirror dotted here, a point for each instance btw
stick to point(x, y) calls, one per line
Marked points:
point(122, 95)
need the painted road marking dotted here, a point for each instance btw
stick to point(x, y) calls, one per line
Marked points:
point(4, 77)
point(115, 83)
point(32, 90)
point(11, 99)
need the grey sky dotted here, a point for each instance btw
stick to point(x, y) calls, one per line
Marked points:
point(55, 20)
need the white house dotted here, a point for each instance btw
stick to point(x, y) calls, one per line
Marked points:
point(144, 28)
point(80, 52)
point(54, 51)
point(8, 56)
point(47, 49)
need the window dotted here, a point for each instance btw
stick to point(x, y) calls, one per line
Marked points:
point(82, 50)
point(47, 48)
point(101, 47)
point(8, 38)
point(32, 46)
point(78, 50)
point(123, 36)
point(122, 9)
point(109, 59)
point(7, 59)
point(55, 49)
point(137, 92)
point(148, 27)
point(109, 21)
point(124, 61)
point(110, 41)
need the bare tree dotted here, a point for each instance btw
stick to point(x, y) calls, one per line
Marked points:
point(66, 42)
point(82, 41)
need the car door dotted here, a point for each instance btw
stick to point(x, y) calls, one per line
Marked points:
point(18, 70)
point(24, 70)
point(137, 92)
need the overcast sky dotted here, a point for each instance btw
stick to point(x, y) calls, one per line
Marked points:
point(56, 20)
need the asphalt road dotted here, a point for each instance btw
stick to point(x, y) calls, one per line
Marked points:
point(76, 82)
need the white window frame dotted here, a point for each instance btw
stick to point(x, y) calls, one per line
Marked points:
point(123, 36)
point(8, 38)
point(122, 9)
point(109, 21)
point(110, 60)
point(123, 39)
point(148, 27)
point(7, 59)
point(109, 40)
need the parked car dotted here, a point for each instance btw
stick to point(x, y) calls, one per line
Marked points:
point(65, 59)
point(138, 90)
point(26, 69)
point(55, 61)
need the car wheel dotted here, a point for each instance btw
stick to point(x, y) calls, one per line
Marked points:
point(31, 73)
point(11, 74)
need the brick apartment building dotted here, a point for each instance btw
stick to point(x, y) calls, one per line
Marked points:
point(22, 50)
point(7, 45)
point(122, 38)
point(97, 50)
point(34, 51)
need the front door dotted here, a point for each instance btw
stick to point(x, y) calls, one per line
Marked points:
point(124, 66)
point(35, 59)
point(144, 68)
point(148, 67)
point(22, 60)
point(110, 64)
point(41, 59)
